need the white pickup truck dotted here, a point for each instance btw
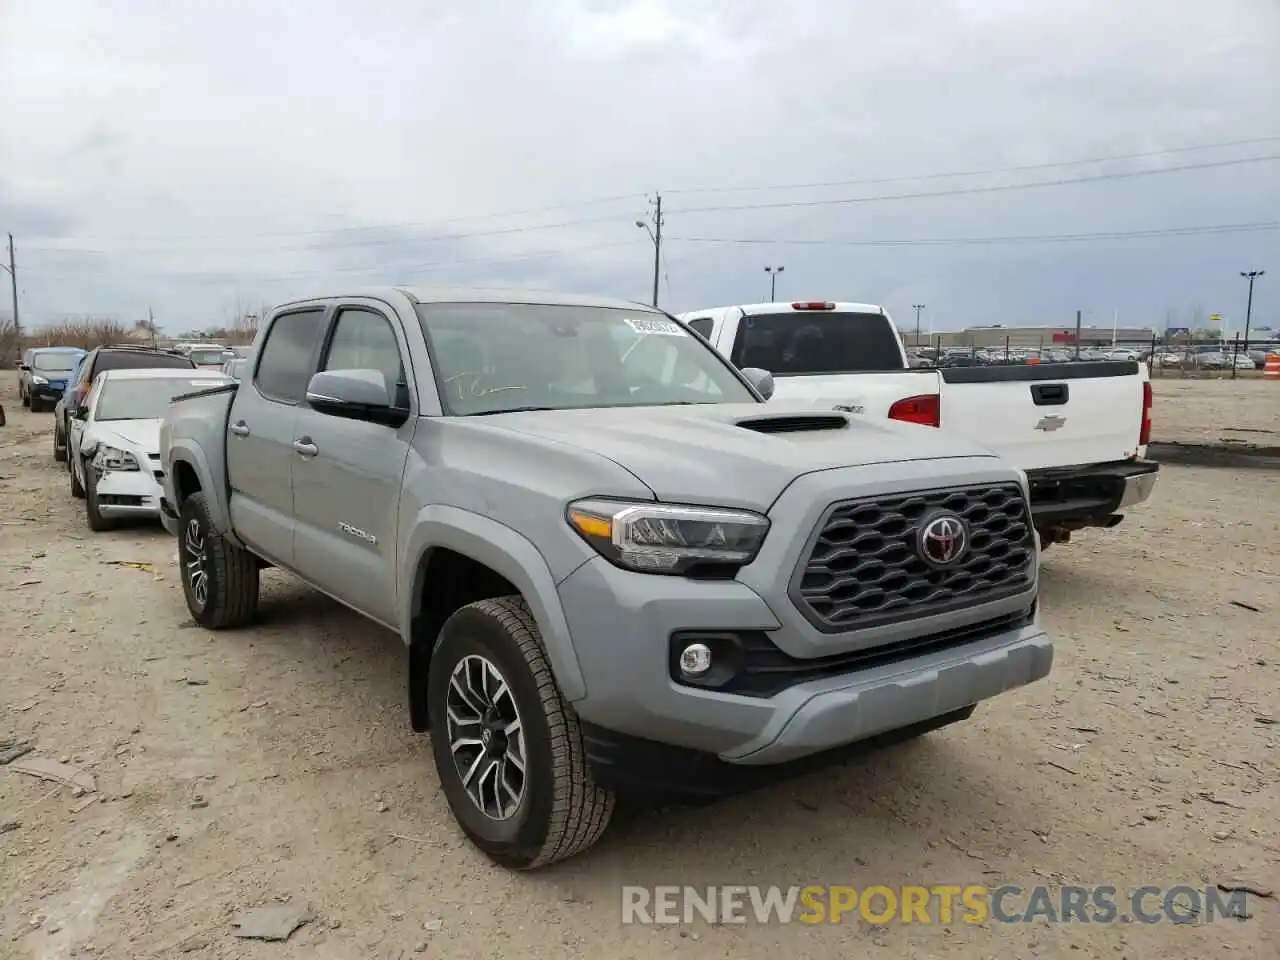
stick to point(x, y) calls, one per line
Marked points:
point(1079, 430)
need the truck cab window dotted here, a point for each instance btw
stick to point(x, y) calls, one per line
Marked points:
point(795, 344)
point(285, 367)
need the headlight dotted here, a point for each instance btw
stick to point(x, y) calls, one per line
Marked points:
point(662, 538)
point(113, 458)
point(38, 379)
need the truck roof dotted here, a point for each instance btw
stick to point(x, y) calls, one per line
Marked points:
point(162, 373)
point(789, 306)
point(447, 294)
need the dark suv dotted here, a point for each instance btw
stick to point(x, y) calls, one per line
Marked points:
point(120, 357)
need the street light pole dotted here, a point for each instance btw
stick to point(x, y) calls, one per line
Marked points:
point(917, 307)
point(655, 234)
point(773, 281)
point(1251, 276)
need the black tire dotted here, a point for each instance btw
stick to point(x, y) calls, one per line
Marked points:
point(561, 811)
point(77, 490)
point(229, 595)
point(97, 522)
point(2, 417)
point(26, 401)
point(37, 406)
point(59, 452)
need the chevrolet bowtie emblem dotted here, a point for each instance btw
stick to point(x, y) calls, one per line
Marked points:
point(1049, 424)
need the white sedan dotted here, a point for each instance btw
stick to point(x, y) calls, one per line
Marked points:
point(114, 441)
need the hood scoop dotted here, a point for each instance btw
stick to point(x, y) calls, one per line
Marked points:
point(795, 423)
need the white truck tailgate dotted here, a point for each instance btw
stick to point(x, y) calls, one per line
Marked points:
point(871, 394)
point(1048, 415)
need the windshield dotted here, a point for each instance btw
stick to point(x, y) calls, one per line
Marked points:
point(494, 357)
point(208, 356)
point(796, 343)
point(54, 362)
point(144, 399)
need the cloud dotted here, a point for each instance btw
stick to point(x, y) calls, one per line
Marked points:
point(191, 155)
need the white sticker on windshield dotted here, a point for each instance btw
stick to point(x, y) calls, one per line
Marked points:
point(658, 326)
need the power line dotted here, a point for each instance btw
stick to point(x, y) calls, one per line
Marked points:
point(617, 198)
point(962, 191)
point(991, 171)
point(975, 241)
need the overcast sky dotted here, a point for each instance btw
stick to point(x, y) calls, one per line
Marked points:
point(196, 156)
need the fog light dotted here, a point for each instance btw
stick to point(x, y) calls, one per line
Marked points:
point(695, 659)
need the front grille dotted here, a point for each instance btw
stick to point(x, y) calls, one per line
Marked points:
point(864, 568)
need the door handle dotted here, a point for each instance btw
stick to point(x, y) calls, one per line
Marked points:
point(239, 428)
point(305, 447)
point(1050, 394)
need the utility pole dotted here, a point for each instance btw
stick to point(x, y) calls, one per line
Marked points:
point(1079, 317)
point(773, 281)
point(1251, 276)
point(655, 234)
point(13, 283)
point(917, 307)
point(151, 326)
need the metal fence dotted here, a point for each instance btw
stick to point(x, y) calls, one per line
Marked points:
point(1164, 356)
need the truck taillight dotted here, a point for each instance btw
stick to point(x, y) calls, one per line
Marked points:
point(925, 409)
point(1144, 435)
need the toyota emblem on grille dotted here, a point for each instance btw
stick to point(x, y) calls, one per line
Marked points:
point(944, 540)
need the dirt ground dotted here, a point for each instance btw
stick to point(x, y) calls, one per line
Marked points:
point(1215, 410)
point(277, 762)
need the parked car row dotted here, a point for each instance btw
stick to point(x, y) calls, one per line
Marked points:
point(107, 404)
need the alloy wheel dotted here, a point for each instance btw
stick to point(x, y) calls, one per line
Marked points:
point(193, 561)
point(486, 737)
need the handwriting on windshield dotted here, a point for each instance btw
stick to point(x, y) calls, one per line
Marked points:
point(471, 386)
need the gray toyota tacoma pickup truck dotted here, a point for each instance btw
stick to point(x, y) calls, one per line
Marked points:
point(616, 569)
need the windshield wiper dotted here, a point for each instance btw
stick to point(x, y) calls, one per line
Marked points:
point(490, 413)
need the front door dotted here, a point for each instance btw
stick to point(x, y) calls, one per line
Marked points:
point(260, 434)
point(347, 474)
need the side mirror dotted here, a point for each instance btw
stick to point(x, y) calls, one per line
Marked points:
point(355, 395)
point(24, 366)
point(81, 413)
point(762, 380)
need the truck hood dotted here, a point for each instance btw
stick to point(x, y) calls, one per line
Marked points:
point(741, 455)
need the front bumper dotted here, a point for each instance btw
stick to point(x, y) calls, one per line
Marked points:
point(1089, 496)
point(128, 493)
point(795, 692)
point(46, 392)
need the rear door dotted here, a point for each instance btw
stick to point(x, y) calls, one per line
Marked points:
point(347, 474)
point(260, 433)
point(1048, 414)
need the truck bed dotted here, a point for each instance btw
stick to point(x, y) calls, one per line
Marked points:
point(196, 423)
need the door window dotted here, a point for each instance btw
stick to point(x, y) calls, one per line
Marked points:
point(702, 325)
point(364, 340)
point(287, 356)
